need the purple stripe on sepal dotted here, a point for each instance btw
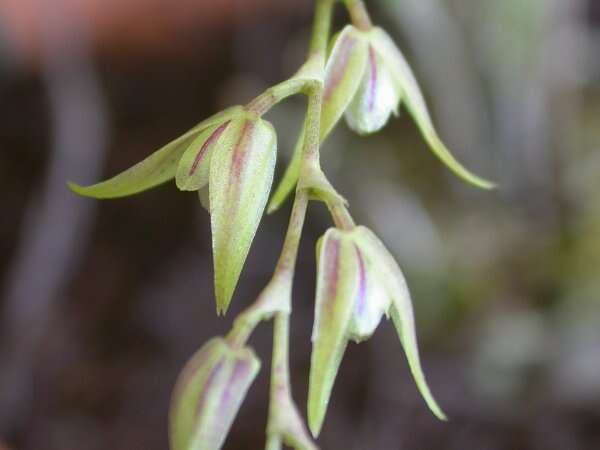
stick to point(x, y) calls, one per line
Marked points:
point(361, 301)
point(214, 374)
point(241, 148)
point(373, 76)
point(346, 46)
point(238, 379)
point(332, 265)
point(203, 150)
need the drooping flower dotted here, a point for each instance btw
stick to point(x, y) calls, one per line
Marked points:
point(358, 282)
point(367, 77)
point(230, 160)
point(208, 395)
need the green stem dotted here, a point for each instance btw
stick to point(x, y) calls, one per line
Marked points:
point(341, 216)
point(280, 375)
point(321, 26)
point(359, 14)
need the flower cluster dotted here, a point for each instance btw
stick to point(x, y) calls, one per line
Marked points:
point(229, 160)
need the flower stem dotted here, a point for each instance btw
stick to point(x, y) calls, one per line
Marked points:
point(281, 405)
point(341, 216)
point(359, 14)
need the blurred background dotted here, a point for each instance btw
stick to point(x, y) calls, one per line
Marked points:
point(101, 303)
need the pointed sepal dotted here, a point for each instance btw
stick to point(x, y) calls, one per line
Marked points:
point(158, 168)
point(343, 74)
point(208, 395)
point(337, 285)
point(241, 174)
point(401, 309)
point(415, 103)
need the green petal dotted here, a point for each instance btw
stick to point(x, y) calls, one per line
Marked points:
point(154, 170)
point(194, 167)
point(415, 103)
point(401, 309)
point(343, 75)
point(337, 284)
point(208, 395)
point(241, 174)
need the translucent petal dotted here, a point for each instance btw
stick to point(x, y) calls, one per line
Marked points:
point(337, 284)
point(415, 103)
point(372, 300)
point(241, 174)
point(378, 96)
point(401, 309)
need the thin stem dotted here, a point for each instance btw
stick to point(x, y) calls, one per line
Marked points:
point(341, 216)
point(287, 260)
point(321, 26)
point(280, 375)
point(359, 14)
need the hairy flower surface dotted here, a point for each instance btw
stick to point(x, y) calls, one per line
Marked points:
point(208, 395)
point(358, 282)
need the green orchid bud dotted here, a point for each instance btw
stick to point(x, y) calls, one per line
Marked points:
point(358, 282)
point(230, 160)
point(159, 167)
point(208, 395)
point(241, 175)
point(366, 78)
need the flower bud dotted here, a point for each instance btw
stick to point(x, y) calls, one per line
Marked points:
point(358, 281)
point(208, 395)
point(241, 174)
point(366, 78)
point(230, 160)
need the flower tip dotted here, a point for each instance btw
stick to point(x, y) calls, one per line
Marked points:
point(481, 183)
point(315, 420)
point(84, 191)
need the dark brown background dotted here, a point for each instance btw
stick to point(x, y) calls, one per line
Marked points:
point(103, 302)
